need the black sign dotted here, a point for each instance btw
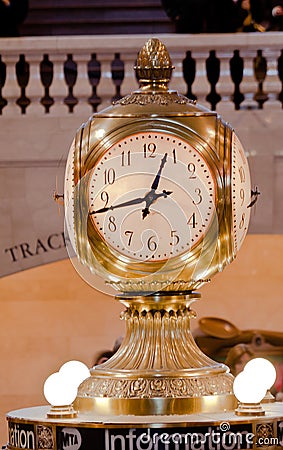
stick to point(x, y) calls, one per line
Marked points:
point(171, 438)
point(22, 435)
point(224, 436)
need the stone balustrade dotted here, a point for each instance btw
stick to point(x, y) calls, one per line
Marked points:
point(69, 72)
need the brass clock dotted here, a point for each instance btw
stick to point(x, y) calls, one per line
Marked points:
point(152, 197)
point(158, 206)
point(157, 196)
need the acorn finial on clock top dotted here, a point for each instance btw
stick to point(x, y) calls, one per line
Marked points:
point(154, 63)
point(157, 197)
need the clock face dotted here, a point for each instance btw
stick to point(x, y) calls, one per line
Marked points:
point(241, 192)
point(151, 197)
point(69, 201)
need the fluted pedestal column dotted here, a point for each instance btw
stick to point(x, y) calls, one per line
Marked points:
point(158, 369)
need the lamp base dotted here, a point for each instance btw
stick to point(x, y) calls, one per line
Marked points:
point(249, 409)
point(268, 398)
point(61, 412)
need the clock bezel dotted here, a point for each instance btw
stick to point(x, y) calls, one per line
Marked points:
point(97, 252)
point(237, 152)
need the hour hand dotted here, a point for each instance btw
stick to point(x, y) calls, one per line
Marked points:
point(151, 198)
point(134, 201)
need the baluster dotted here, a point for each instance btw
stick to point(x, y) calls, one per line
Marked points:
point(94, 75)
point(70, 74)
point(236, 72)
point(280, 75)
point(46, 76)
point(260, 70)
point(3, 101)
point(118, 73)
point(22, 73)
point(189, 73)
point(213, 73)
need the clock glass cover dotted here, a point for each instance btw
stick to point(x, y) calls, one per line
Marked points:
point(151, 196)
point(241, 192)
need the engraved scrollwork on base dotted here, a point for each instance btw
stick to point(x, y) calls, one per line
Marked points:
point(156, 98)
point(179, 388)
point(264, 433)
point(138, 387)
point(157, 387)
point(44, 437)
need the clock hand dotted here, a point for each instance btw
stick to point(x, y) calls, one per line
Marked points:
point(156, 180)
point(134, 201)
point(254, 197)
point(150, 198)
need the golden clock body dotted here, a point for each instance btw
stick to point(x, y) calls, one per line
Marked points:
point(152, 115)
point(157, 196)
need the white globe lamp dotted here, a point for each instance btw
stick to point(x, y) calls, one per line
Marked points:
point(60, 388)
point(75, 371)
point(266, 371)
point(249, 391)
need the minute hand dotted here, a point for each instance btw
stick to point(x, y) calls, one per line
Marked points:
point(134, 201)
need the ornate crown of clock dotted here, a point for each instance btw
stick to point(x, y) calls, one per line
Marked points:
point(157, 200)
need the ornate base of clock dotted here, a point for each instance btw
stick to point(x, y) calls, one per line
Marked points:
point(158, 369)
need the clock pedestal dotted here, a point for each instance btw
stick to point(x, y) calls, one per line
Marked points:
point(157, 197)
point(158, 369)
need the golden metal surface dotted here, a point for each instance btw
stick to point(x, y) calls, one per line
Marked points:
point(61, 412)
point(156, 108)
point(249, 409)
point(155, 406)
point(158, 369)
point(154, 63)
point(38, 414)
point(179, 273)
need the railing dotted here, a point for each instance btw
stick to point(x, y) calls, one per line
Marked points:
point(50, 74)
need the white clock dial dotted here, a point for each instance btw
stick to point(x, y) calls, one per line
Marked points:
point(69, 199)
point(241, 192)
point(151, 196)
